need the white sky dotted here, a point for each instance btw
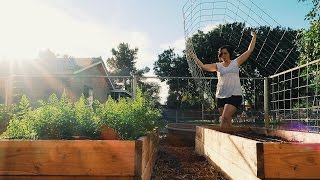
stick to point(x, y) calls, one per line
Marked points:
point(91, 28)
point(86, 28)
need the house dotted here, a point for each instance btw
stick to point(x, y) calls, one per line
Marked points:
point(38, 79)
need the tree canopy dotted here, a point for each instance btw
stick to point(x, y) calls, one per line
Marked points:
point(309, 46)
point(314, 13)
point(123, 63)
point(309, 41)
point(47, 54)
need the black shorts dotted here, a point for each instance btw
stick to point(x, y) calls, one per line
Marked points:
point(233, 100)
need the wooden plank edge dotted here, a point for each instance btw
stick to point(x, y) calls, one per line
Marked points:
point(147, 171)
point(138, 160)
point(144, 143)
point(260, 161)
point(290, 135)
point(54, 177)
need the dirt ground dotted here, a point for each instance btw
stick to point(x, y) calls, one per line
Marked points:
point(181, 162)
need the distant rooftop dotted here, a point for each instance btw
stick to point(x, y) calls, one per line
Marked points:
point(40, 66)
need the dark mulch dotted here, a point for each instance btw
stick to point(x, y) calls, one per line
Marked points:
point(181, 162)
point(260, 137)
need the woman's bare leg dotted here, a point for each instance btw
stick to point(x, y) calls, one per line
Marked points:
point(227, 114)
point(220, 112)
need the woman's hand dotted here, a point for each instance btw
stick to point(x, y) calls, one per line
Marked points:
point(253, 34)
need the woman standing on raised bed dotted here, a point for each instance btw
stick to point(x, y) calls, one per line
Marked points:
point(228, 92)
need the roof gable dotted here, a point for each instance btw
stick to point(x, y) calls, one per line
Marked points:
point(56, 66)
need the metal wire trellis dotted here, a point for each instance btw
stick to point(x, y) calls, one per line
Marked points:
point(204, 86)
point(206, 15)
point(295, 99)
point(294, 90)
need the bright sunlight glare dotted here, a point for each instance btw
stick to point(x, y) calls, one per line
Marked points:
point(29, 26)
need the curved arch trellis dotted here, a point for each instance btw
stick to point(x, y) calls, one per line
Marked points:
point(241, 16)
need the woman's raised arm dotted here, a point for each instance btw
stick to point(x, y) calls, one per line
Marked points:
point(207, 67)
point(243, 57)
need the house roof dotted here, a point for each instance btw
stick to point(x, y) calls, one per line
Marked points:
point(55, 66)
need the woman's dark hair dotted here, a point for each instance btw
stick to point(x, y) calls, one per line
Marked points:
point(228, 48)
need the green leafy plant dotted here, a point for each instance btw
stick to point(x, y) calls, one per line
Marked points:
point(5, 116)
point(22, 108)
point(85, 119)
point(130, 118)
point(60, 119)
point(54, 119)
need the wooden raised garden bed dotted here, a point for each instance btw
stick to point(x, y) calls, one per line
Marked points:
point(78, 159)
point(181, 134)
point(258, 153)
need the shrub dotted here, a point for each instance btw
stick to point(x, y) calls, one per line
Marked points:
point(54, 119)
point(85, 120)
point(5, 116)
point(130, 118)
point(61, 119)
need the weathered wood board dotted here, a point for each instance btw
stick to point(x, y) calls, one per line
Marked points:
point(78, 159)
point(243, 158)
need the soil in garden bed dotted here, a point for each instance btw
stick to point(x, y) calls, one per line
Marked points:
point(182, 162)
point(260, 137)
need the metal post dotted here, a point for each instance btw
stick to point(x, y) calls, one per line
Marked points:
point(202, 111)
point(134, 86)
point(266, 103)
point(177, 115)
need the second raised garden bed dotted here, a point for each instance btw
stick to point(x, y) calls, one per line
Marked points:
point(258, 153)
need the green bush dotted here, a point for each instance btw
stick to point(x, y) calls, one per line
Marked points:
point(61, 119)
point(54, 119)
point(5, 116)
point(86, 125)
point(130, 118)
